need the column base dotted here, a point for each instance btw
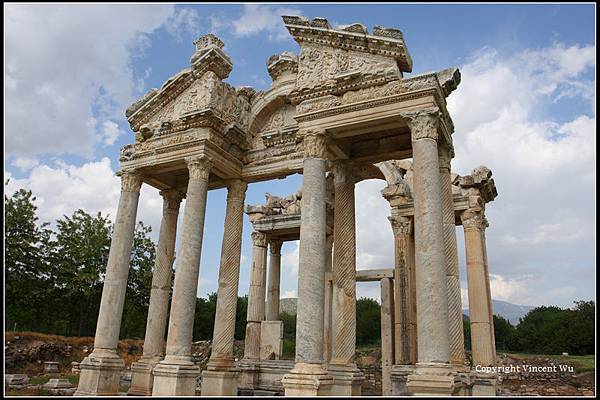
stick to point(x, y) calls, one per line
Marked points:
point(431, 379)
point(175, 377)
point(100, 374)
point(220, 378)
point(307, 380)
point(347, 380)
point(249, 371)
point(142, 378)
point(484, 385)
point(400, 373)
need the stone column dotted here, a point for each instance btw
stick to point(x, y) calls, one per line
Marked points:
point(479, 313)
point(405, 312)
point(220, 377)
point(433, 375)
point(176, 375)
point(308, 378)
point(487, 281)
point(272, 313)
point(256, 297)
point(346, 376)
point(387, 335)
point(328, 301)
point(101, 370)
point(455, 316)
point(156, 325)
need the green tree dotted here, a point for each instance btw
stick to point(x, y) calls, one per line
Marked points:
point(82, 247)
point(139, 284)
point(582, 323)
point(544, 330)
point(240, 317)
point(504, 333)
point(467, 332)
point(368, 321)
point(204, 317)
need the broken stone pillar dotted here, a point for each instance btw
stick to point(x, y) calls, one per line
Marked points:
point(176, 375)
point(455, 316)
point(101, 370)
point(347, 378)
point(479, 313)
point(433, 374)
point(308, 378)
point(387, 335)
point(272, 311)
point(156, 325)
point(220, 377)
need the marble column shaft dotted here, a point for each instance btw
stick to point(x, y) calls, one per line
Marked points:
point(156, 324)
point(455, 318)
point(432, 297)
point(328, 318)
point(183, 305)
point(312, 257)
point(256, 296)
point(117, 268)
point(479, 312)
point(387, 335)
point(487, 281)
point(344, 268)
point(229, 273)
point(273, 294)
point(101, 370)
point(154, 341)
point(405, 314)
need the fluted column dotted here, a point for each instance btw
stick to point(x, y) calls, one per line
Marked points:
point(455, 318)
point(432, 295)
point(479, 305)
point(100, 371)
point(256, 297)
point(176, 375)
point(347, 377)
point(272, 313)
point(154, 342)
point(405, 311)
point(308, 376)
point(220, 378)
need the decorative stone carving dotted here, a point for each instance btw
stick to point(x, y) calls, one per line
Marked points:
point(423, 124)
point(275, 206)
point(282, 66)
point(199, 167)
point(130, 181)
point(315, 144)
point(259, 239)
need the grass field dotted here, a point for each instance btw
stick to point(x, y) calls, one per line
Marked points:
point(581, 363)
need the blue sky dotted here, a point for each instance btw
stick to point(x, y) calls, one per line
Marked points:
point(525, 108)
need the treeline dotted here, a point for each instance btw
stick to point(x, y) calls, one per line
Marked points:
point(54, 278)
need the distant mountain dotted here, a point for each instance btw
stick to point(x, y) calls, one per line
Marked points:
point(511, 312)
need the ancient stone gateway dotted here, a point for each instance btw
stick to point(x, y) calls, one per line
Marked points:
point(338, 113)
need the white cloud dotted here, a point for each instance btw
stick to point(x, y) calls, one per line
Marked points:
point(25, 163)
point(110, 132)
point(263, 19)
point(289, 260)
point(62, 189)
point(184, 21)
point(65, 61)
point(289, 294)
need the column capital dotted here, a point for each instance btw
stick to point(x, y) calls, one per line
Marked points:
point(401, 225)
point(259, 239)
point(130, 181)
point(199, 167)
point(315, 143)
point(473, 218)
point(423, 123)
point(275, 246)
point(236, 189)
point(171, 199)
point(446, 154)
point(342, 172)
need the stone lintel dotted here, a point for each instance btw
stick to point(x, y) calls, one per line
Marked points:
point(370, 275)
